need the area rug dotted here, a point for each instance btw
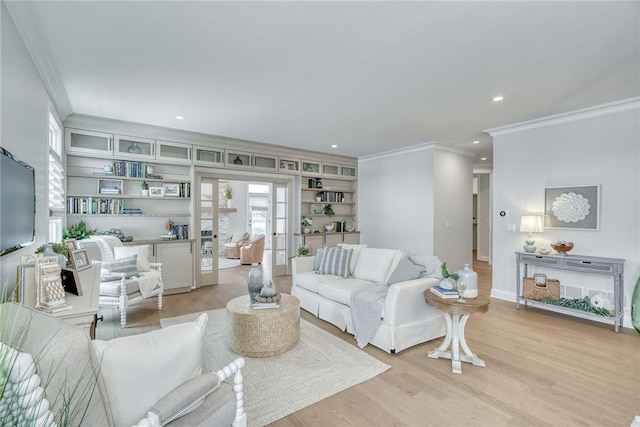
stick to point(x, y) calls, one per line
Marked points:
point(319, 366)
point(227, 263)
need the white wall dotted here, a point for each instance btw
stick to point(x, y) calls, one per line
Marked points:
point(406, 199)
point(395, 200)
point(598, 146)
point(24, 119)
point(453, 208)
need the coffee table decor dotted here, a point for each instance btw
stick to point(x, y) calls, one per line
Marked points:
point(254, 282)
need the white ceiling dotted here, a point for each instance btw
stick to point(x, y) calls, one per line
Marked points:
point(367, 76)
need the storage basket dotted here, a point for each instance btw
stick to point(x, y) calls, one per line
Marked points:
point(539, 287)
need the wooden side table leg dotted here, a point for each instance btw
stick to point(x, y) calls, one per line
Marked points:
point(456, 364)
point(441, 350)
point(469, 356)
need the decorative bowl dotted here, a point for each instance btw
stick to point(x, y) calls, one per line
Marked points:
point(562, 247)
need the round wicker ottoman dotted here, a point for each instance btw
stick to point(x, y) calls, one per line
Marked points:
point(263, 332)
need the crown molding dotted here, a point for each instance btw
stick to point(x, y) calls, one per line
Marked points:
point(433, 145)
point(28, 25)
point(585, 113)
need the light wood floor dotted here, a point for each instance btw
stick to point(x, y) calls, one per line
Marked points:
point(543, 369)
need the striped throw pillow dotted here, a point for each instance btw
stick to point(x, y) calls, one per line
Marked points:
point(335, 261)
point(126, 265)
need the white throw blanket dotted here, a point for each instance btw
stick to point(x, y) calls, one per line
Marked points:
point(148, 282)
point(367, 305)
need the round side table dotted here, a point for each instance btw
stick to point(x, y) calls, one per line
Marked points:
point(456, 315)
point(263, 332)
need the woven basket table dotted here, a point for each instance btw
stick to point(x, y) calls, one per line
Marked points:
point(263, 332)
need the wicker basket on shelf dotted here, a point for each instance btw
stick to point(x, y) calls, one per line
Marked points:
point(539, 287)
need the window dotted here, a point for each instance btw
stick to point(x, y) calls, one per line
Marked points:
point(56, 181)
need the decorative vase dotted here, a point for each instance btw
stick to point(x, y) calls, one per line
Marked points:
point(447, 283)
point(254, 282)
point(328, 227)
point(47, 250)
point(635, 307)
point(306, 229)
point(268, 290)
point(144, 193)
point(134, 148)
point(229, 203)
point(470, 277)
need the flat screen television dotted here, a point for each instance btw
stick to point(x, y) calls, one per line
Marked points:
point(17, 203)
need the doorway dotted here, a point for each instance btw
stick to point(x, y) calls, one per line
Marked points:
point(258, 206)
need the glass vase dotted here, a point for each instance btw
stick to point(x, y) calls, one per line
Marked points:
point(254, 281)
point(470, 277)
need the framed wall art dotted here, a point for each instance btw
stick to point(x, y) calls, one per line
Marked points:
point(572, 207)
point(156, 192)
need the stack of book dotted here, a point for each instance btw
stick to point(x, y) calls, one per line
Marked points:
point(107, 189)
point(259, 305)
point(444, 293)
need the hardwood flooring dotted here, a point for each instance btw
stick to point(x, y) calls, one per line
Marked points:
point(543, 369)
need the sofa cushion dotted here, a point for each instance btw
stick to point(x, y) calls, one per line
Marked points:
point(139, 370)
point(310, 281)
point(318, 259)
point(111, 288)
point(354, 256)
point(431, 264)
point(340, 290)
point(336, 261)
point(141, 251)
point(127, 266)
point(405, 270)
point(373, 264)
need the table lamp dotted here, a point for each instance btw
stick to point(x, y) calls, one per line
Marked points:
point(531, 224)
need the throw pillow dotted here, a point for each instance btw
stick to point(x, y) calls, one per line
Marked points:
point(318, 259)
point(430, 262)
point(237, 236)
point(405, 270)
point(139, 370)
point(335, 261)
point(374, 264)
point(354, 257)
point(141, 251)
point(127, 265)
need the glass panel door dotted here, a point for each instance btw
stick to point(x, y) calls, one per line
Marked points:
point(280, 242)
point(207, 231)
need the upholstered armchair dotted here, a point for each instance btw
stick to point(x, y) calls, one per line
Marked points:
point(127, 277)
point(252, 251)
point(233, 243)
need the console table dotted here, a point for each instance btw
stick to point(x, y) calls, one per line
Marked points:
point(613, 267)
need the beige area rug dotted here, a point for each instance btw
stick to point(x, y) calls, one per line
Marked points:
point(319, 366)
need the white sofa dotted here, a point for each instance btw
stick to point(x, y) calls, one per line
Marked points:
point(407, 319)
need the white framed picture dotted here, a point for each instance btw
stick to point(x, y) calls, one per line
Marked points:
point(573, 207)
point(156, 192)
point(171, 190)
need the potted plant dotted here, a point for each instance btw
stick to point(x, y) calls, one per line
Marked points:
point(306, 225)
point(78, 231)
point(145, 188)
point(62, 250)
point(319, 196)
point(328, 210)
point(448, 279)
point(228, 194)
point(303, 250)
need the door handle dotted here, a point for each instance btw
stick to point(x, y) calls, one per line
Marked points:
point(215, 236)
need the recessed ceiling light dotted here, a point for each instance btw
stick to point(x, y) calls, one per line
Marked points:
point(483, 158)
point(334, 146)
point(498, 98)
point(180, 117)
point(476, 142)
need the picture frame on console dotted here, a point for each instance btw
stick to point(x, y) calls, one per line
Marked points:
point(572, 207)
point(80, 259)
point(70, 244)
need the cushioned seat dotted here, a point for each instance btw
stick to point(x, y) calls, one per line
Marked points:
point(252, 251)
point(233, 243)
point(127, 277)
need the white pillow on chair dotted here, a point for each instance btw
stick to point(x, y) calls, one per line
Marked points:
point(139, 370)
point(141, 251)
point(237, 236)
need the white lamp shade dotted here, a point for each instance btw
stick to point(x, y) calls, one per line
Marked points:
point(532, 224)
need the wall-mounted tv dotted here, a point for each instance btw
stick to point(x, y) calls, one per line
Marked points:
point(17, 203)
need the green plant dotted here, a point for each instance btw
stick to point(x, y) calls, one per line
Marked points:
point(228, 192)
point(328, 210)
point(303, 250)
point(78, 231)
point(306, 222)
point(446, 274)
point(145, 186)
point(59, 248)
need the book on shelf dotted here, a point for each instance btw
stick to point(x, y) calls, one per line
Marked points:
point(449, 293)
point(261, 305)
point(105, 173)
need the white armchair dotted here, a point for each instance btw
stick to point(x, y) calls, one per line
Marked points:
point(127, 278)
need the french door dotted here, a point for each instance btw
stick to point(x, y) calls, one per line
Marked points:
point(207, 231)
point(281, 234)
